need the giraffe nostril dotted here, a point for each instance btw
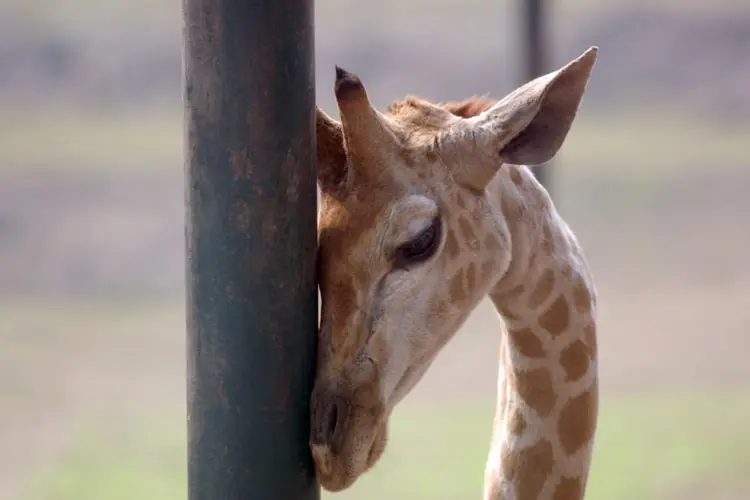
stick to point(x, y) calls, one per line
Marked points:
point(334, 423)
point(329, 420)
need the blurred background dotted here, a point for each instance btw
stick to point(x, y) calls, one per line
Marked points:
point(654, 179)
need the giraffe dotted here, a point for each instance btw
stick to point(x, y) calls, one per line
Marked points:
point(426, 209)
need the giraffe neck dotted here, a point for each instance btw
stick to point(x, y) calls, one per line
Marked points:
point(547, 398)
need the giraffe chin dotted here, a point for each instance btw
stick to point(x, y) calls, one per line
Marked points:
point(338, 471)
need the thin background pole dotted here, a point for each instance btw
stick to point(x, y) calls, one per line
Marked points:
point(250, 241)
point(534, 43)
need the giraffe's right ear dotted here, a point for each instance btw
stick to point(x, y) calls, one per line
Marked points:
point(529, 125)
point(332, 159)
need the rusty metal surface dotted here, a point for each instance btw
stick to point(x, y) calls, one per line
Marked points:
point(250, 240)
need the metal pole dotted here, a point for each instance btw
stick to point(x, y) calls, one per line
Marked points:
point(535, 58)
point(250, 241)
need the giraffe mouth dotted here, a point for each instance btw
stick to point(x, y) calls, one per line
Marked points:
point(339, 468)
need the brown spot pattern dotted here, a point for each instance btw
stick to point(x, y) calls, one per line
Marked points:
point(513, 292)
point(577, 421)
point(543, 289)
point(575, 360)
point(466, 230)
point(532, 261)
point(528, 468)
point(557, 318)
point(471, 277)
point(451, 245)
point(569, 488)
point(517, 423)
point(526, 342)
point(491, 243)
point(460, 200)
point(510, 315)
point(516, 177)
point(458, 293)
point(536, 389)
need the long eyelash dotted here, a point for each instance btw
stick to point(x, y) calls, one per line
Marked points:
point(434, 228)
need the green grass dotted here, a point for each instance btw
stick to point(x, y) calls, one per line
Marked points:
point(646, 446)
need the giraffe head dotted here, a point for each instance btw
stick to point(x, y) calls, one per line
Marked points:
point(409, 244)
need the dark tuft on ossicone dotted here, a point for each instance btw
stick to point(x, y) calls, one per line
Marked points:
point(346, 82)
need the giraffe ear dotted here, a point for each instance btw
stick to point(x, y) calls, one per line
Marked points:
point(332, 159)
point(530, 124)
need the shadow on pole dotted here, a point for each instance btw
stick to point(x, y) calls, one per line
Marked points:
point(250, 241)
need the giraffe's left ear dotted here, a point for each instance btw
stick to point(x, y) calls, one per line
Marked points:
point(529, 125)
point(332, 159)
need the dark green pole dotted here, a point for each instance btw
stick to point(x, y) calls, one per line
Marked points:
point(250, 240)
point(535, 58)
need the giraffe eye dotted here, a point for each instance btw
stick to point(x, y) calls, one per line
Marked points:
point(422, 247)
